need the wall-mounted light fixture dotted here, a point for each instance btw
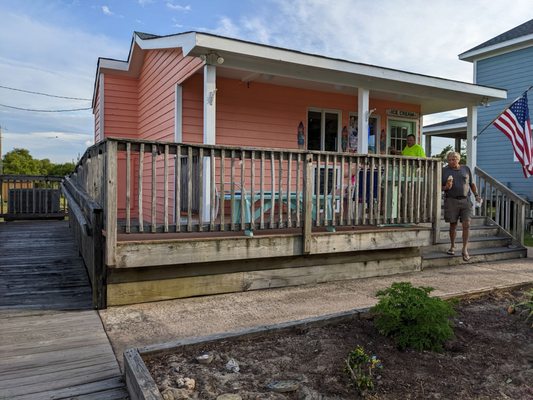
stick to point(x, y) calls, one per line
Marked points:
point(212, 58)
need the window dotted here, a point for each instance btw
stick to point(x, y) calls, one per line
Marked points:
point(398, 133)
point(323, 130)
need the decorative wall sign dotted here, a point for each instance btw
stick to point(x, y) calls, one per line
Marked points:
point(402, 113)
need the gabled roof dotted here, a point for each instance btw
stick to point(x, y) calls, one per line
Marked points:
point(247, 61)
point(518, 37)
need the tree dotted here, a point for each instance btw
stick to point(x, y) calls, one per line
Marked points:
point(20, 162)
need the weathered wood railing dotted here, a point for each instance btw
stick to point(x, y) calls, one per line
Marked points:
point(160, 187)
point(85, 191)
point(501, 204)
point(31, 197)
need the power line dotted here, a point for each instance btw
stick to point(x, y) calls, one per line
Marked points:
point(44, 94)
point(33, 110)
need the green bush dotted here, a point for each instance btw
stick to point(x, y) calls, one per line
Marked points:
point(525, 307)
point(360, 368)
point(413, 319)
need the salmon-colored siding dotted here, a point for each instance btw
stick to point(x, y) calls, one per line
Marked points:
point(162, 70)
point(120, 106)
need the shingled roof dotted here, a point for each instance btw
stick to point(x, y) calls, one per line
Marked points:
point(524, 29)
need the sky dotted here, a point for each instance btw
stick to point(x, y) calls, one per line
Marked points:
point(52, 47)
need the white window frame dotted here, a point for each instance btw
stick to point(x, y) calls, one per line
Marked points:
point(178, 114)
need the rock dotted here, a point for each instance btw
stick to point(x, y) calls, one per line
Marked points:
point(205, 358)
point(175, 394)
point(283, 386)
point(229, 396)
point(232, 365)
point(186, 383)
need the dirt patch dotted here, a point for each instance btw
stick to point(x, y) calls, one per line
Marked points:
point(491, 357)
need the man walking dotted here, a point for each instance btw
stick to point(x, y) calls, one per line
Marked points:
point(457, 184)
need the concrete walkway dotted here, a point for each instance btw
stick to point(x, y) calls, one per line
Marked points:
point(150, 323)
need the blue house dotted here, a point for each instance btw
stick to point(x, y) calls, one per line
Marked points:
point(505, 61)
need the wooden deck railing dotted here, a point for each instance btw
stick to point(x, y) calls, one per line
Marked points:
point(501, 204)
point(171, 187)
point(31, 197)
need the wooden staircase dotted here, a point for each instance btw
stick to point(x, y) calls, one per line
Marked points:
point(487, 242)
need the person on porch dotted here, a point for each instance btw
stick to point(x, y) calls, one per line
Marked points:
point(413, 149)
point(457, 184)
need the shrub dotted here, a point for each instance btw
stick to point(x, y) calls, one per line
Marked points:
point(525, 307)
point(360, 367)
point(411, 318)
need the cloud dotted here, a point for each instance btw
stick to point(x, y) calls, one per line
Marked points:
point(44, 144)
point(106, 10)
point(410, 35)
point(178, 7)
point(145, 2)
point(49, 59)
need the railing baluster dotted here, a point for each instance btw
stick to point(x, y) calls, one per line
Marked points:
point(165, 190)
point(222, 189)
point(272, 188)
point(190, 166)
point(289, 173)
point(252, 190)
point(298, 196)
point(200, 188)
point(153, 225)
point(232, 183)
point(262, 188)
point(177, 189)
point(212, 191)
point(140, 194)
point(280, 190)
point(128, 186)
point(243, 191)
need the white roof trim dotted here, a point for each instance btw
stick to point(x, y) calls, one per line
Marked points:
point(499, 48)
point(438, 94)
point(205, 42)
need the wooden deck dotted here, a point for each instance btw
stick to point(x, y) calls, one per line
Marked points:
point(53, 344)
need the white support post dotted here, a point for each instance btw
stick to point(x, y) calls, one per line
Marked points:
point(471, 132)
point(210, 90)
point(363, 96)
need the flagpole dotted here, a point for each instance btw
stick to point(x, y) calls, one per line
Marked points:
point(505, 109)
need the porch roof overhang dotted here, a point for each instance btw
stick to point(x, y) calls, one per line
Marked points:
point(249, 61)
point(454, 129)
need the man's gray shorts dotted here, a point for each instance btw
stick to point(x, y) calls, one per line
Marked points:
point(457, 209)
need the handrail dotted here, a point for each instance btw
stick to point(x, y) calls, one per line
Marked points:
point(501, 204)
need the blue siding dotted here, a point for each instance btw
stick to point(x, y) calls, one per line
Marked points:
point(514, 72)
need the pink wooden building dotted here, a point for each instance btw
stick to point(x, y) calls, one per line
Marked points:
point(230, 165)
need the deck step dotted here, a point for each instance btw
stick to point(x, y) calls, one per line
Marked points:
point(487, 242)
point(475, 242)
point(432, 259)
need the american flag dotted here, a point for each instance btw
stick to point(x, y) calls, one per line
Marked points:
point(514, 122)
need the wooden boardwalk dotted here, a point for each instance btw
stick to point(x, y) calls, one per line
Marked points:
point(53, 345)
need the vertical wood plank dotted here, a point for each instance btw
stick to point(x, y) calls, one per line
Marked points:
point(165, 190)
point(222, 189)
point(140, 194)
point(111, 201)
point(190, 166)
point(212, 191)
point(177, 189)
point(128, 187)
point(308, 203)
point(200, 187)
point(262, 189)
point(154, 190)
